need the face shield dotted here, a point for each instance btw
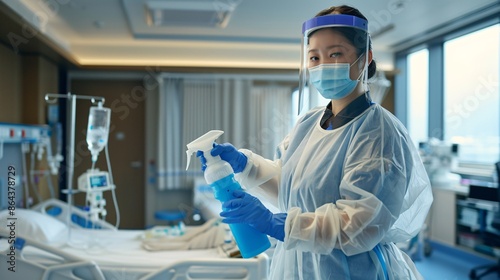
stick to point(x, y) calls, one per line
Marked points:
point(334, 56)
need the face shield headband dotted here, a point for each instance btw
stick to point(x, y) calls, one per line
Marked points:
point(320, 22)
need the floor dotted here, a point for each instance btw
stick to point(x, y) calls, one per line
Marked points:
point(447, 263)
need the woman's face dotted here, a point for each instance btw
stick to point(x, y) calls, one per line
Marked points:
point(329, 46)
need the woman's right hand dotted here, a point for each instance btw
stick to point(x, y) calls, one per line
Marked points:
point(228, 153)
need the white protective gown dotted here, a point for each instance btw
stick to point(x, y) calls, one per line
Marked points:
point(345, 191)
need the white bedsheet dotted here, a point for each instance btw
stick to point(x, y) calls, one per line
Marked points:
point(124, 247)
point(120, 256)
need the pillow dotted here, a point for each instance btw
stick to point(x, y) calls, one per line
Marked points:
point(34, 225)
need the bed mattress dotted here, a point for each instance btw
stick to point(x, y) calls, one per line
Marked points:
point(119, 255)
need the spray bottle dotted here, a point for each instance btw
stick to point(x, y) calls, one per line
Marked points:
point(219, 174)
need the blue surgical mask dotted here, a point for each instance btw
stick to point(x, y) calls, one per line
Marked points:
point(332, 80)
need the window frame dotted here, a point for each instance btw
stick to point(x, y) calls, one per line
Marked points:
point(435, 46)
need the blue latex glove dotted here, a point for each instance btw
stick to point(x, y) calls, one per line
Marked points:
point(202, 159)
point(227, 152)
point(248, 209)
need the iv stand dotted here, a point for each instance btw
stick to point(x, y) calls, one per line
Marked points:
point(51, 98)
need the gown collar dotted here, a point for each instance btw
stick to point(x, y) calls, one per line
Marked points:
point(351, 111)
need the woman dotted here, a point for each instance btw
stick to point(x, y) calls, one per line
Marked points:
point(348, 178)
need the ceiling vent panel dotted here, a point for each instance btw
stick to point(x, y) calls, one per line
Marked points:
point(179, 13)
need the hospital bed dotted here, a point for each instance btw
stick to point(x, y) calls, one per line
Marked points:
point(106, 253)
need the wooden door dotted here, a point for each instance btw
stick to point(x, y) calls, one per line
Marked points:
point(125, 145)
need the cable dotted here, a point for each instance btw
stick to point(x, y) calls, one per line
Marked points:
point(24, 150)
point(112, 189)
point(34, 185)
point(50, 184)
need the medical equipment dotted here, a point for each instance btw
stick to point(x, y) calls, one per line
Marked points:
point(16, 141)
point(439, 159)
point(379, 86)
point(333, 80)
point(94, 183)
point(70, 159)
point(219, 174)
point(97, 137)
point(54, 159)
point(98, 129)
point(94, 180)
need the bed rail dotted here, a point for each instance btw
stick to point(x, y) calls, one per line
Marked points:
point(44, 206)
point(65, 266)
point(238, 269)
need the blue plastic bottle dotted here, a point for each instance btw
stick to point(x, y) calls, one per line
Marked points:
point(220, 176)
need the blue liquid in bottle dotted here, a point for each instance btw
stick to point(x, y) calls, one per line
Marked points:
point(220, 175)
point(251, 242)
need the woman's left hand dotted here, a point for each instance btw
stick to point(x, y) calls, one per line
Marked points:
point(248, 209)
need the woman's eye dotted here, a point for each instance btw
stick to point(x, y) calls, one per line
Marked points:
point(335, 54)
point(313, 58)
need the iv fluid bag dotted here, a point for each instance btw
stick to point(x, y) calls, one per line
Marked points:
point(98, 129)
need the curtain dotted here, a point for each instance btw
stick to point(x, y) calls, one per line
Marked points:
point(271, 115)
point(169, 158)
point(252, 117)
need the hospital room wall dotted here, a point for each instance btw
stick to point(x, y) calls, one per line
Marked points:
point(24, 80)
point(10, 85)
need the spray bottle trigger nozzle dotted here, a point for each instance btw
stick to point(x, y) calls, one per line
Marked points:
point(203, 143)
point(189, 153)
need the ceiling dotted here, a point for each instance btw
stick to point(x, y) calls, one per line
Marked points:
point(258, 34)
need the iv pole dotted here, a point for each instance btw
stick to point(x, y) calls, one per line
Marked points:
point(51, 98)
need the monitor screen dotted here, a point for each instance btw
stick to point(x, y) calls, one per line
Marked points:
point(98, 181)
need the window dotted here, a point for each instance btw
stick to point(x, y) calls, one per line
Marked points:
point(310, 99)
point(418, 95)
point(471, 95)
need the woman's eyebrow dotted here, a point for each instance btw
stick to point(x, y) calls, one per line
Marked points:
point(328, 48)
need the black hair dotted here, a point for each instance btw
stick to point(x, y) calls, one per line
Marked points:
point(357, 37)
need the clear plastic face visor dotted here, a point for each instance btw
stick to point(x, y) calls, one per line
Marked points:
point(360, 41)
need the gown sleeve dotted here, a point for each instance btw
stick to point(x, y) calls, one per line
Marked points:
point(263, 173)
